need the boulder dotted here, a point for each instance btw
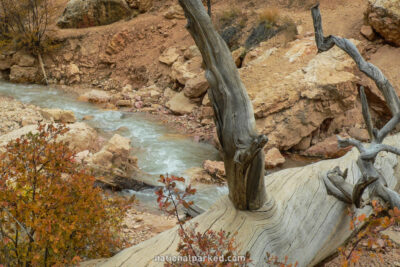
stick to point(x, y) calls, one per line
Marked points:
point(20, 74)
point(169, 56)
point(141, 5)
point(96, 96)
point(191, 52)
point(59, 115)
point(206, 112)
point(180, 104)
point(118, 145)
point(181, 73)
point(89, 13)
point(384, 17)
point(81, 137)
point(367, 32)
point(174, 12)
point(305, 92)
point(326, 149)
point(273, 158)
point(17, 133)
point(115, 163)
point(124, 103)
point(5, 62)
point(359, 134)
point(215, 168)
point(198, 175)
point(206, 100)
point(15, 114)
point(196, 87)
point(72, 73)
point(169, 93)
point(23, 59)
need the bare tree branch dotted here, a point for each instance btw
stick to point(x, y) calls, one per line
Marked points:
point(370, 177)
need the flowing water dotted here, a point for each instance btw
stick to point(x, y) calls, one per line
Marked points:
point(160, 150)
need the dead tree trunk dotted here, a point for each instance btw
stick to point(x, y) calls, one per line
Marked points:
point(234, 117)
point(371, 177)
point(299, 219)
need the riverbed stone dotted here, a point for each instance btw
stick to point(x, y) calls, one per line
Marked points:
point(180, 104)
point(59, 115)
point(196, 87)
point(96, 96)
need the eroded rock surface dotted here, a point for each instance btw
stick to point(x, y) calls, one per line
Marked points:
point(384, 17)
point(89, 13)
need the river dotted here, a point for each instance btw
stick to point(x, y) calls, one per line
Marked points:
point(159, 149)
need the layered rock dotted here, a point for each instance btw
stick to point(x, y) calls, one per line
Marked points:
point(307, 99)
point(59, 115)
point(141, 5)
point(80, 137)
point(15, 115)
point(20, 74)
point(273, 158)
point(384, 17)
point(89, 13)
point(96, 96)
point(115, 164)
point(180, 104)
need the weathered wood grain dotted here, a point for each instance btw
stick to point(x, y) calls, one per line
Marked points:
point(300, 220)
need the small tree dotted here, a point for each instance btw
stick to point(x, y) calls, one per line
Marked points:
point(50, 212)
point(23, 25)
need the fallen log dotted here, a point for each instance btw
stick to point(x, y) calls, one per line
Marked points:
point(300, 220)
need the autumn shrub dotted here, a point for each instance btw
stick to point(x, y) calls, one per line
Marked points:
point(50, 212)
point(369, 232)
point(209, 248)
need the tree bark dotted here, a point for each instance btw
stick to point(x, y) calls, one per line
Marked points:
point(234, 117)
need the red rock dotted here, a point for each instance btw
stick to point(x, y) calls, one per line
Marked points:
point(273, 158)
point(327, 149)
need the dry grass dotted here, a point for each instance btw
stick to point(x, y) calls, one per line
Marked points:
point(229, 15)
point(269, 15)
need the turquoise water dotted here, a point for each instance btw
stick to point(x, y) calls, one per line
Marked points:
point(160, 150)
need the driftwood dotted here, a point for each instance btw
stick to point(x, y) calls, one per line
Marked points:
point(371, 177)
point(43, 69)
point(299, 218)
point(300, 221)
